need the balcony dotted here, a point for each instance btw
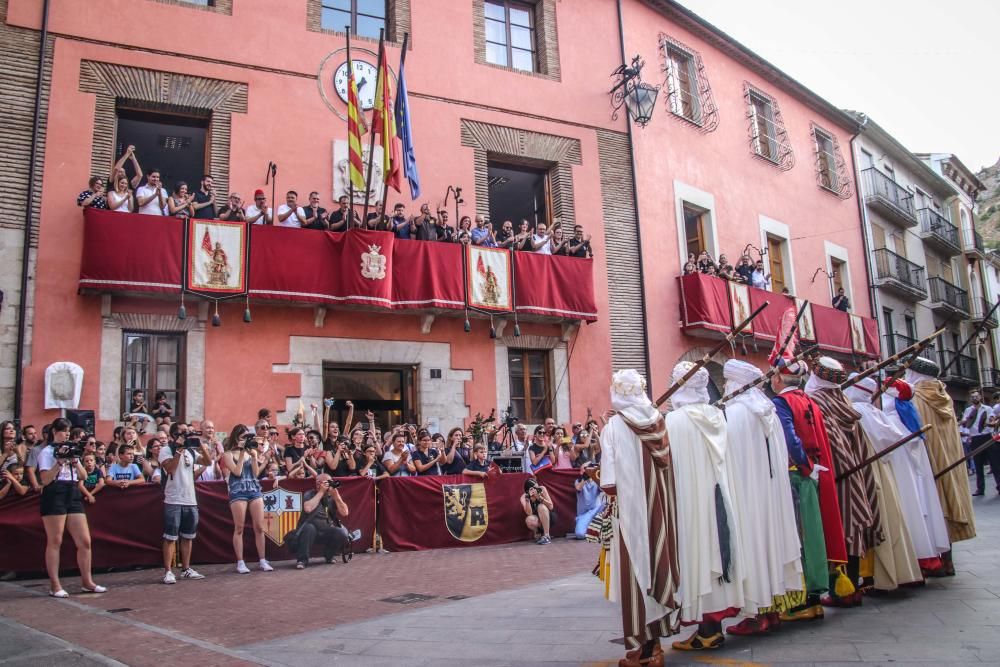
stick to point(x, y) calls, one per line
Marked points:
point(962, 371)
point(899, 275)
point(981, 312)
point(888, 197)
point(972, 243)
point(358, 270)
point(937, 232)
point(947, 300)
point(706, 312)
point(989, 379)
point(895, 342)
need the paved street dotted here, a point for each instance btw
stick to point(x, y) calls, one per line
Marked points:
point(511, 605)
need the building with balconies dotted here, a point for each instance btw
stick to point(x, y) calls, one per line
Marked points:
point(920, 246)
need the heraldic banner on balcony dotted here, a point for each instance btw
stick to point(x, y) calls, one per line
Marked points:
point(488, 276)
point(216, 257)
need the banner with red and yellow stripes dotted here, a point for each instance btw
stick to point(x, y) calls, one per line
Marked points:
point(357, 169)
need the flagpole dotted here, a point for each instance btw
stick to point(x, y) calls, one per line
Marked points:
point(371, 144)
point(385, 181)
point(350, 181)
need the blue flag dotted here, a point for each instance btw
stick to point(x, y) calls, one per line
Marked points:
point(405, 132)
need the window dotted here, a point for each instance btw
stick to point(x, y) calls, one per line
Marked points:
point(878, 236)
point(889, 333)
point(694, 229)
point(838, 269)
point(176, 144)
point(388, 391)
point(768, 138)
point(776, 259)
point(365, 17)
point(518, 193)
point(529, 384)
point(763, 128)
point(682, 85)
point(867, 161)
point(510, 34)
point(911, 327)
point(826, 162)
point(152, 363)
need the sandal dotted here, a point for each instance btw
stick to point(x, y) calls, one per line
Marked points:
point(59, 594)
point(698, 643)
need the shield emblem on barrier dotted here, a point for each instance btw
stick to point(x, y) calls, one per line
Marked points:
point(465, 512)
point(282, 510)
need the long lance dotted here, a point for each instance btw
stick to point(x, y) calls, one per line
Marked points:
point(916, 348)
point(975, 332)
point(981, 448)
point(891, 448)
point(765, 377)
point(711, 353)
point(898, 373)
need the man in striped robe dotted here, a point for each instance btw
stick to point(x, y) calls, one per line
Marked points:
point(859, 508)
point(635, 469)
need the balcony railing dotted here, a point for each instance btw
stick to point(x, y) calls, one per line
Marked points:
point(895, 342)
point(900, 274)
point(964, 370)
point(354, 269)
point(948, 300)
point(972, 241)
point(891, 198)
point(935, 229)
point(710, 305)
point(989, 378)
point(981, 311)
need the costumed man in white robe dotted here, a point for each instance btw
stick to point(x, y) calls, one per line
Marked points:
point(711, 572)
point(893, 562)
point(926, 507)
point(762, 500)
point(635, 473)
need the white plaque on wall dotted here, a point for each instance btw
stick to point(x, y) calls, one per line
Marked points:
point(340, 171)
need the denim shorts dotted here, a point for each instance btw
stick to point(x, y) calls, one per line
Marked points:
point(245, 495)
point(180, 520)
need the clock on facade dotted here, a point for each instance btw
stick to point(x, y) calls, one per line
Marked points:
point(366, 78)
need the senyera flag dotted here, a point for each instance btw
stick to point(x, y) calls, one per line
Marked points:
point(354, 131)
point(385, 125)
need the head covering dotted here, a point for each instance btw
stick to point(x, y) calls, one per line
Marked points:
point(922, 369)
point(827, 373)
point(739, 373)
point(258, 193)
point(694, 391)
point(862, 390)
point(628, 390)
point(901, 390)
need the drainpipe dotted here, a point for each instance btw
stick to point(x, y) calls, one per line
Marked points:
point(865, 226)
point(22, 308)
point(638, 227)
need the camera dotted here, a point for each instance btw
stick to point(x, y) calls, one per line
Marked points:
point(68, 451)
point(250, 441)
point(509, 420)
point(333, 483)
point(192, 440)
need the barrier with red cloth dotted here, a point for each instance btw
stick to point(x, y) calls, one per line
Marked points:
point(126, 526)
point(705, 305)
point(418, 275)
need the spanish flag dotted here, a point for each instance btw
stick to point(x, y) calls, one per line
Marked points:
point(357, 168)
point(385, 125)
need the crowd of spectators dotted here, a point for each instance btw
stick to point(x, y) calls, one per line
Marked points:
point(146, 194)
point(746, 271)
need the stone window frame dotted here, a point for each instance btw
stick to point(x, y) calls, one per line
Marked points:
point(216, 6)
point(843, 187)
point(112, 83)
point(556, 154)
point(558, 362)
point(398, 22)
point(708, 120)
point(546, 39)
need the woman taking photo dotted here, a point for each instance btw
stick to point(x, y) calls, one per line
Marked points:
point(243, 470)
point(62, 509)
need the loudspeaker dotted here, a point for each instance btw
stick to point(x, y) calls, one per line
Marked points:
point(82, 418)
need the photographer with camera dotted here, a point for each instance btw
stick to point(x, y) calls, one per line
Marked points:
point(538, 507)
point(180, 505)
point(319, 523)
point(59, 470)
point(244, 464)
point(589, 500)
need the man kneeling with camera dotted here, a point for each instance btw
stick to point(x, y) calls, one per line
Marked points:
point(320, 523)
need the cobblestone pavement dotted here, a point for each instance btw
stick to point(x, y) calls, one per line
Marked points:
point(509, 605)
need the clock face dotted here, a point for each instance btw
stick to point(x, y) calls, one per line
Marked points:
point(366, 78)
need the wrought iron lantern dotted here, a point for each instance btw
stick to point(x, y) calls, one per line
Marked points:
point(638, 98)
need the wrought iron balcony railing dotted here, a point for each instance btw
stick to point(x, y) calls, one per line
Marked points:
point(936, 229)
point(989, 378)
point(963, 370)
point(981, 311)
point(948, 299)
point(897, 272)
point(889, 196)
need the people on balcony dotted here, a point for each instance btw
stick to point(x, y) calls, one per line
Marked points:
point(483, 233)
point(179, 203)
point(290, 214)
point(120, 199)
point(760, 278)
point(93, 196)
point(841, 302)
point(151, 198)
point(203, 202)
point(232, 210)
point(259, 213)
point(316, 216)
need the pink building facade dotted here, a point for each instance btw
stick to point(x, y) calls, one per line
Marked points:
point(259, 87)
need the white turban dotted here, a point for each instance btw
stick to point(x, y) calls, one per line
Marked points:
point(695, 390)
point(861, 391)
point(628, 390)
point(739, 373)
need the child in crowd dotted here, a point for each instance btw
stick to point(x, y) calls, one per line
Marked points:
point(138, 403)
point(13, 479)
point(94, 481)
point(124, 473)
point(478, 467)
point(162, 411)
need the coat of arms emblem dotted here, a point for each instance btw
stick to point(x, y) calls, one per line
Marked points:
point(373, 263)
point(465, 511)
point(282, 510)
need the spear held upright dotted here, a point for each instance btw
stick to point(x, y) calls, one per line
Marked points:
point(916, 348)
point(765, 377)
point(708, 355)
point(891, 448)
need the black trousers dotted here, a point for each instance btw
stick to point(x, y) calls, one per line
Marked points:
point(333, 540)
point(991, 456)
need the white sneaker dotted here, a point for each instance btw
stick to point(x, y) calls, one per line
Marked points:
point(96, 589)
point(265, 566)
point(191, 573)
point(356, 535)
point(169, 578)
point(242, 568)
